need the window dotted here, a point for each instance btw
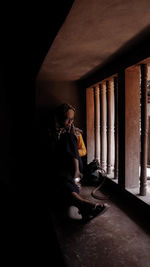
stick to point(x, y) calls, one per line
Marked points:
point(118, 127)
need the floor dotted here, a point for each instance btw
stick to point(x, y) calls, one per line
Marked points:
point(117, 238)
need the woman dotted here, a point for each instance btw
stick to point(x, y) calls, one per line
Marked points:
point(67, 164)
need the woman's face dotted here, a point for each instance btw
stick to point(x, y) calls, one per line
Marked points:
point(69, 119)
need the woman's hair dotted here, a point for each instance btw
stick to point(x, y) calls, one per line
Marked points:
point(61, 112)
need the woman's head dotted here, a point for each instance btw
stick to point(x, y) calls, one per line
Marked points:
point(65, 115)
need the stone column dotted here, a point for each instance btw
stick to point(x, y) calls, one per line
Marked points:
point(144, 129)
point(121, 128)
point(128, 127)
point(132, 126)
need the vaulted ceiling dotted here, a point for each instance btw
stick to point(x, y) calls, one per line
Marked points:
point(91, 34)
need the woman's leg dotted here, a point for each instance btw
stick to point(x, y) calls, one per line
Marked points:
point(80, 201)
point(88, 209)
point(77, 172)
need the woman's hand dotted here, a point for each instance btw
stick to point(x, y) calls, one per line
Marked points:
point(78, 174)
point(72, 129)
point(77, 178)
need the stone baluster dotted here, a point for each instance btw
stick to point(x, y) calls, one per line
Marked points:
point(116, 127)
point(109, 126)
point(90, 124)
point(103, 124)
point(97, 124)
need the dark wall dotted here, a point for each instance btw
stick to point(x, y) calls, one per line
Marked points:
point(50, 94)
point(25, 39)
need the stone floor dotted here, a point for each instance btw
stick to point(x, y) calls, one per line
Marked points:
point(116, 238)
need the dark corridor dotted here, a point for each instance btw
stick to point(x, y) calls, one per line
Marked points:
point(29, 232)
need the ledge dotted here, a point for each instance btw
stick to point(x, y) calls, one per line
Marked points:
point(130, 197)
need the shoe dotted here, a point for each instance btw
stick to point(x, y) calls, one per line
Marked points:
point(78, 182)
point(89, 213)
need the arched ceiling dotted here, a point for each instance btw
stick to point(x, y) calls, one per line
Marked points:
point(92, 32)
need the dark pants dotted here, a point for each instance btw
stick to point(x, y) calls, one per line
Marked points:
point(63, 167)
